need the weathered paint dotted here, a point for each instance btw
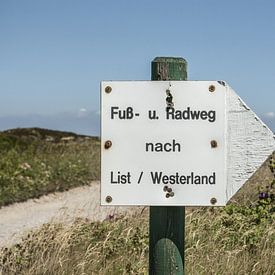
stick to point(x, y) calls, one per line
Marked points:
point(249, 142)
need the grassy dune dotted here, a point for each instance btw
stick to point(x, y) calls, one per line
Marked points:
point(35, 162)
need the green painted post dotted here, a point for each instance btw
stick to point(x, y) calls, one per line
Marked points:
point(167, 223)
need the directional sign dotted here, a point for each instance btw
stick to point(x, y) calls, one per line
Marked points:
point(189, 143)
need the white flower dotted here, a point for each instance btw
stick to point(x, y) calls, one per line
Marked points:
point(25, 166)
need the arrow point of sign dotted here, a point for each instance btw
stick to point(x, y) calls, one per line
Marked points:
point(249, 142)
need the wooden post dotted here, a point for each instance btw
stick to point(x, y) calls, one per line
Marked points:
point(167, 223)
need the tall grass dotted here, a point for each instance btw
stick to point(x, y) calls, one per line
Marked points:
point(231, 240)
point(225, 242)
point(111, 247)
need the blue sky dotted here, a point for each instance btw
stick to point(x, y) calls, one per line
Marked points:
point(54, 53)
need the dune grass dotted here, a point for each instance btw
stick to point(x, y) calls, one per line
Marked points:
point(231, 240)
point(31, 166)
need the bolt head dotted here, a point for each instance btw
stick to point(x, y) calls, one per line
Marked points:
point(213, 201)
point(212, 88)
point(214, 144)
point(165, 188)
point(108, 89)
point(169, 189)
point(108, 144)
point(108, 199)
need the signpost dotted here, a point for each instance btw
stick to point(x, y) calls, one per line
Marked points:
point(176, 143)
point(156, 148)
point(198, 152)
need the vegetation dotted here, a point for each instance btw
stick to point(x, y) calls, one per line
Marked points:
point(231, 240)
point(35, 162)
point(236, 239)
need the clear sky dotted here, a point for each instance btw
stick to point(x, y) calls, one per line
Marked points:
point(54, 53)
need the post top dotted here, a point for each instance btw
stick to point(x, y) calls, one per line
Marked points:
point(169, 68)
point(170, 59)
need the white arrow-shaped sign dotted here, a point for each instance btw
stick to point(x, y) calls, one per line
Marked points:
point(249, 142)
point(177, 143)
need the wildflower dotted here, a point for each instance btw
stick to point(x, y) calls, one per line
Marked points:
point(25, 166)
point(263, 195)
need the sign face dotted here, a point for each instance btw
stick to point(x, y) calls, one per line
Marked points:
point(167, 143)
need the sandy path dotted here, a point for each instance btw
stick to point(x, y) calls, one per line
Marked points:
point(17, 219)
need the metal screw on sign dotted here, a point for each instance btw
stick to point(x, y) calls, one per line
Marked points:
point(213, 201)
point(214, 144)
point(212, 88)
point(169, 191)
point(109, 199)
point(108, 144)
point(108, 89)
point(172, 194)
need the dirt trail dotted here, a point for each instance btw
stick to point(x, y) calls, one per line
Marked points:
point(19, 218)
